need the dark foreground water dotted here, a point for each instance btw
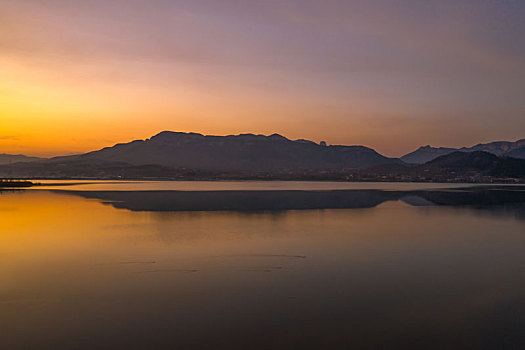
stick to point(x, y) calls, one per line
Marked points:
point(284, 267)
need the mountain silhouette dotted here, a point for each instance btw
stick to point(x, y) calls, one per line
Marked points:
point(192, 156)
point(168, 153)
point(15, 158)
point(500, 148)
point(456, 166)
point(245, 152)
point(479, 162)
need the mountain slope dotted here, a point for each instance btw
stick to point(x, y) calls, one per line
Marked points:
point(476, 162)
point(425, 153)
point(15, 158)
point(499, 148)
point(246, 152)
point(456, 166)
point(187, 155)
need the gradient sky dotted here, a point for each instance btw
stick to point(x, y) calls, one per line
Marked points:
point(79, 75)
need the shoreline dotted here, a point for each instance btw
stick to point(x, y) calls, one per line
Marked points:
point(16, 184)
point(498, 181)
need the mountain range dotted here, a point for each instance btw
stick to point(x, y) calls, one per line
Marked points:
point(500, 148)
point(15, 158)
point(182, 153)
point(476, 166)
point(245, 152)
point(177, 155)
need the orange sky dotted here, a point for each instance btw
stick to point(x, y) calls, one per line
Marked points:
point(77, 76)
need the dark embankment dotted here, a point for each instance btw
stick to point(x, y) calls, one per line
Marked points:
point(15, 184)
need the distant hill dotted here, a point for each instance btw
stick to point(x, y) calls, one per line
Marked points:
point(455, 166)
point(245, 152)
point(479, 162)
point(499, 148)
point(191, 156)
point(175, 152)
point(15, 158)
point(425, 153)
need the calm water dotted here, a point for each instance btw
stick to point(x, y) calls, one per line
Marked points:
point(262, 266)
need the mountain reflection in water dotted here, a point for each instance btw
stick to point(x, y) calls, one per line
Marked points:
point(477, 197)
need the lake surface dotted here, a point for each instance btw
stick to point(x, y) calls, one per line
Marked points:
point(262, 265)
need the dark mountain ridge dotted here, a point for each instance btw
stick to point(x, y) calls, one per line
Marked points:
point(15, 158)
point(476, 166)
point(192, 156)
point(244, 152)
point(479, 162)
point(500, 148)
point(182, 155)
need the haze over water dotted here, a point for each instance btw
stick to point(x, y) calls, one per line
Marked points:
point(132, 265)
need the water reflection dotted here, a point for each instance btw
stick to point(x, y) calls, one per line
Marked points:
point(500, 199)
point(404, 269)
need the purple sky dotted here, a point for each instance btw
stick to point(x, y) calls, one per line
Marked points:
point(391, 75)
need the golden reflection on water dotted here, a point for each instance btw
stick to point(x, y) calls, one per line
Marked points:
point(72, 267)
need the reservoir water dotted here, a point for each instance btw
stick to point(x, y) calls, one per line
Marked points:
point(262, 265)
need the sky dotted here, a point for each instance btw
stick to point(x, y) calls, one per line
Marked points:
point(80, 75)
